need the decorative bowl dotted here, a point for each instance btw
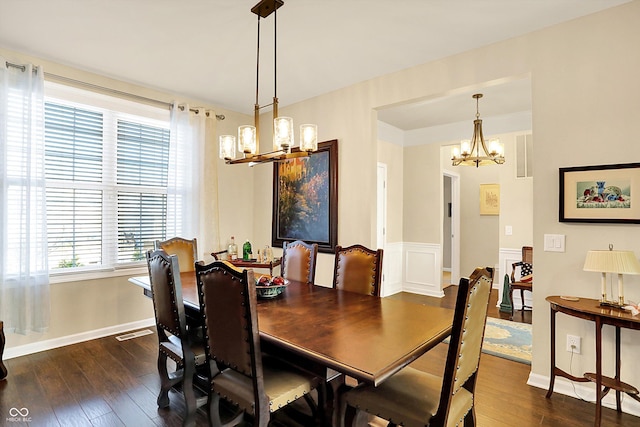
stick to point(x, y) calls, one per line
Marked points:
point(270, 290)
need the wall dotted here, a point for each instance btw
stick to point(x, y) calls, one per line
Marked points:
point(585, 106)
point(83, 307)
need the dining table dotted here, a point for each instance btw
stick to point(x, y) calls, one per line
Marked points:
point(366, 337)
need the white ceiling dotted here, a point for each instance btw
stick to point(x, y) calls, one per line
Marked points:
point(206, 49)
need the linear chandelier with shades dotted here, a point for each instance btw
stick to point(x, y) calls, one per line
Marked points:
point(283, 135)
point(474, 152)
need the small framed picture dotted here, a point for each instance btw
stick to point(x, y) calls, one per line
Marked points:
point(489, 199)
point(599, 194)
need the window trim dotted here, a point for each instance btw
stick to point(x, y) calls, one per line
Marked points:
point(126, 110)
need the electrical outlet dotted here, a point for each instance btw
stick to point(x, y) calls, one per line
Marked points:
point(573, 344)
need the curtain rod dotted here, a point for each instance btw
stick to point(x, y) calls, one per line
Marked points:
point(109, 90)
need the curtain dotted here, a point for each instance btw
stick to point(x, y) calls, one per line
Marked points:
point(24, 277)
point(192, 188)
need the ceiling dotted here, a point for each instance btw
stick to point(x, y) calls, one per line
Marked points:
point(206, 49)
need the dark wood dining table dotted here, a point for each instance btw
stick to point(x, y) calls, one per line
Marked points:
point(365, 337)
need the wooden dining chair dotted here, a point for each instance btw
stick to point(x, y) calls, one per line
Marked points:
point(185, 249)
point(525, 280)
point(415, 398)
point(299, 261)
point(173, 340)
point(257, 384)
point(358, 269)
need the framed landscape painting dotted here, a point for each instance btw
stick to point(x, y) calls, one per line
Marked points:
point(600, 194)
point(305, 198)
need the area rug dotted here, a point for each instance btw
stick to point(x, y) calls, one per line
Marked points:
point(509, 340)
point(506, 339)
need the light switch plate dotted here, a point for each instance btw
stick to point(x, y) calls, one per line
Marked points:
point(554, 242)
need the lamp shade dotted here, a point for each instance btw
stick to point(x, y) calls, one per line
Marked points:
point(308, 137)
point(247, 137)
point(227, 147)
point(283, 133)
point(605, 261)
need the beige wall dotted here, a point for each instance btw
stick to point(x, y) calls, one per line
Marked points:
point(585, 109)
point(585, 106)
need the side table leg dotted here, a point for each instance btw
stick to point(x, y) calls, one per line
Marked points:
point(598, 371)
point(3, 369)
point(552, 372)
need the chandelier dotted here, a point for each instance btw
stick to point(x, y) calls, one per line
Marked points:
point(283, 136)
point(469, 153)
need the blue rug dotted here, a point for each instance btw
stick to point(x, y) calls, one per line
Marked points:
point(509, 340)
point(506, 339)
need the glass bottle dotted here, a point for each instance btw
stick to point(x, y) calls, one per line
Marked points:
point(232, 249)
point(246, 251)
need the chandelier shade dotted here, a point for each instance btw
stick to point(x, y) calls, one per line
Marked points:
point(474, 152)
point(283, 129)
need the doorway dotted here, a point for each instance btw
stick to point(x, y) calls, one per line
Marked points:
point(450, 228)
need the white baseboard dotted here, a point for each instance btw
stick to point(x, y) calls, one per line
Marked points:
point(583, 391)
point(23, 350)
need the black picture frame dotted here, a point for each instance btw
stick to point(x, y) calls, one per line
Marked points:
point(600, 194)
point(305, 199)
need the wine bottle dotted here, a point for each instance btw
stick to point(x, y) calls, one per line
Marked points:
point(232, 249)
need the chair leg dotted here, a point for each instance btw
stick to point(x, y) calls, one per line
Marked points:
point(347, 415)
point(190, 404)
point(511, 299)
point(213, 408)
point(165, 381)
point(522, 297)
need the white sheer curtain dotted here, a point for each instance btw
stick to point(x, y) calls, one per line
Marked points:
point(24, 276)
point(190, 130)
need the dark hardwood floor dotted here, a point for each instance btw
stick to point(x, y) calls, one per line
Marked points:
point(106, 382)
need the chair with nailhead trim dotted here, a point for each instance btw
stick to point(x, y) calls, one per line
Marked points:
point(185, 249)
point(358, 269)
point(255, 383)
point(175, 342)
point(299, 261)
point(415, 398)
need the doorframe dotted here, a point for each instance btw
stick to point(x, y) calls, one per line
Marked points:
point(455, 224)
point(381, 212)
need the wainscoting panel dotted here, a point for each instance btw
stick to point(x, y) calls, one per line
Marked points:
point(507, 257)
point(423, 269)
point(392, 269)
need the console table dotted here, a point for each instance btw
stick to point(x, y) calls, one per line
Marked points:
point(239, 262)
point(590, 309)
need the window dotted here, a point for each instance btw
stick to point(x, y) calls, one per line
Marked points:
point(106, 166)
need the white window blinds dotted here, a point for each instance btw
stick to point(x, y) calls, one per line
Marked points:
point(106, 178)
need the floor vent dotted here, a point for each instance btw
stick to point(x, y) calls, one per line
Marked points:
point(133, 335)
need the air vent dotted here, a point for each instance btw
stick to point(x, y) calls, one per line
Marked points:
point(133, 335)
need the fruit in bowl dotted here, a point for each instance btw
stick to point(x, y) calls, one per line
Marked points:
point(270, 287)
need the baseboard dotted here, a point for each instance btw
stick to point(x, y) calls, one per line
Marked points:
point(23, 350)
point(583, 391)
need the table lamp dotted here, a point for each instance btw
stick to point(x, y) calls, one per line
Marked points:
point(617, 262)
